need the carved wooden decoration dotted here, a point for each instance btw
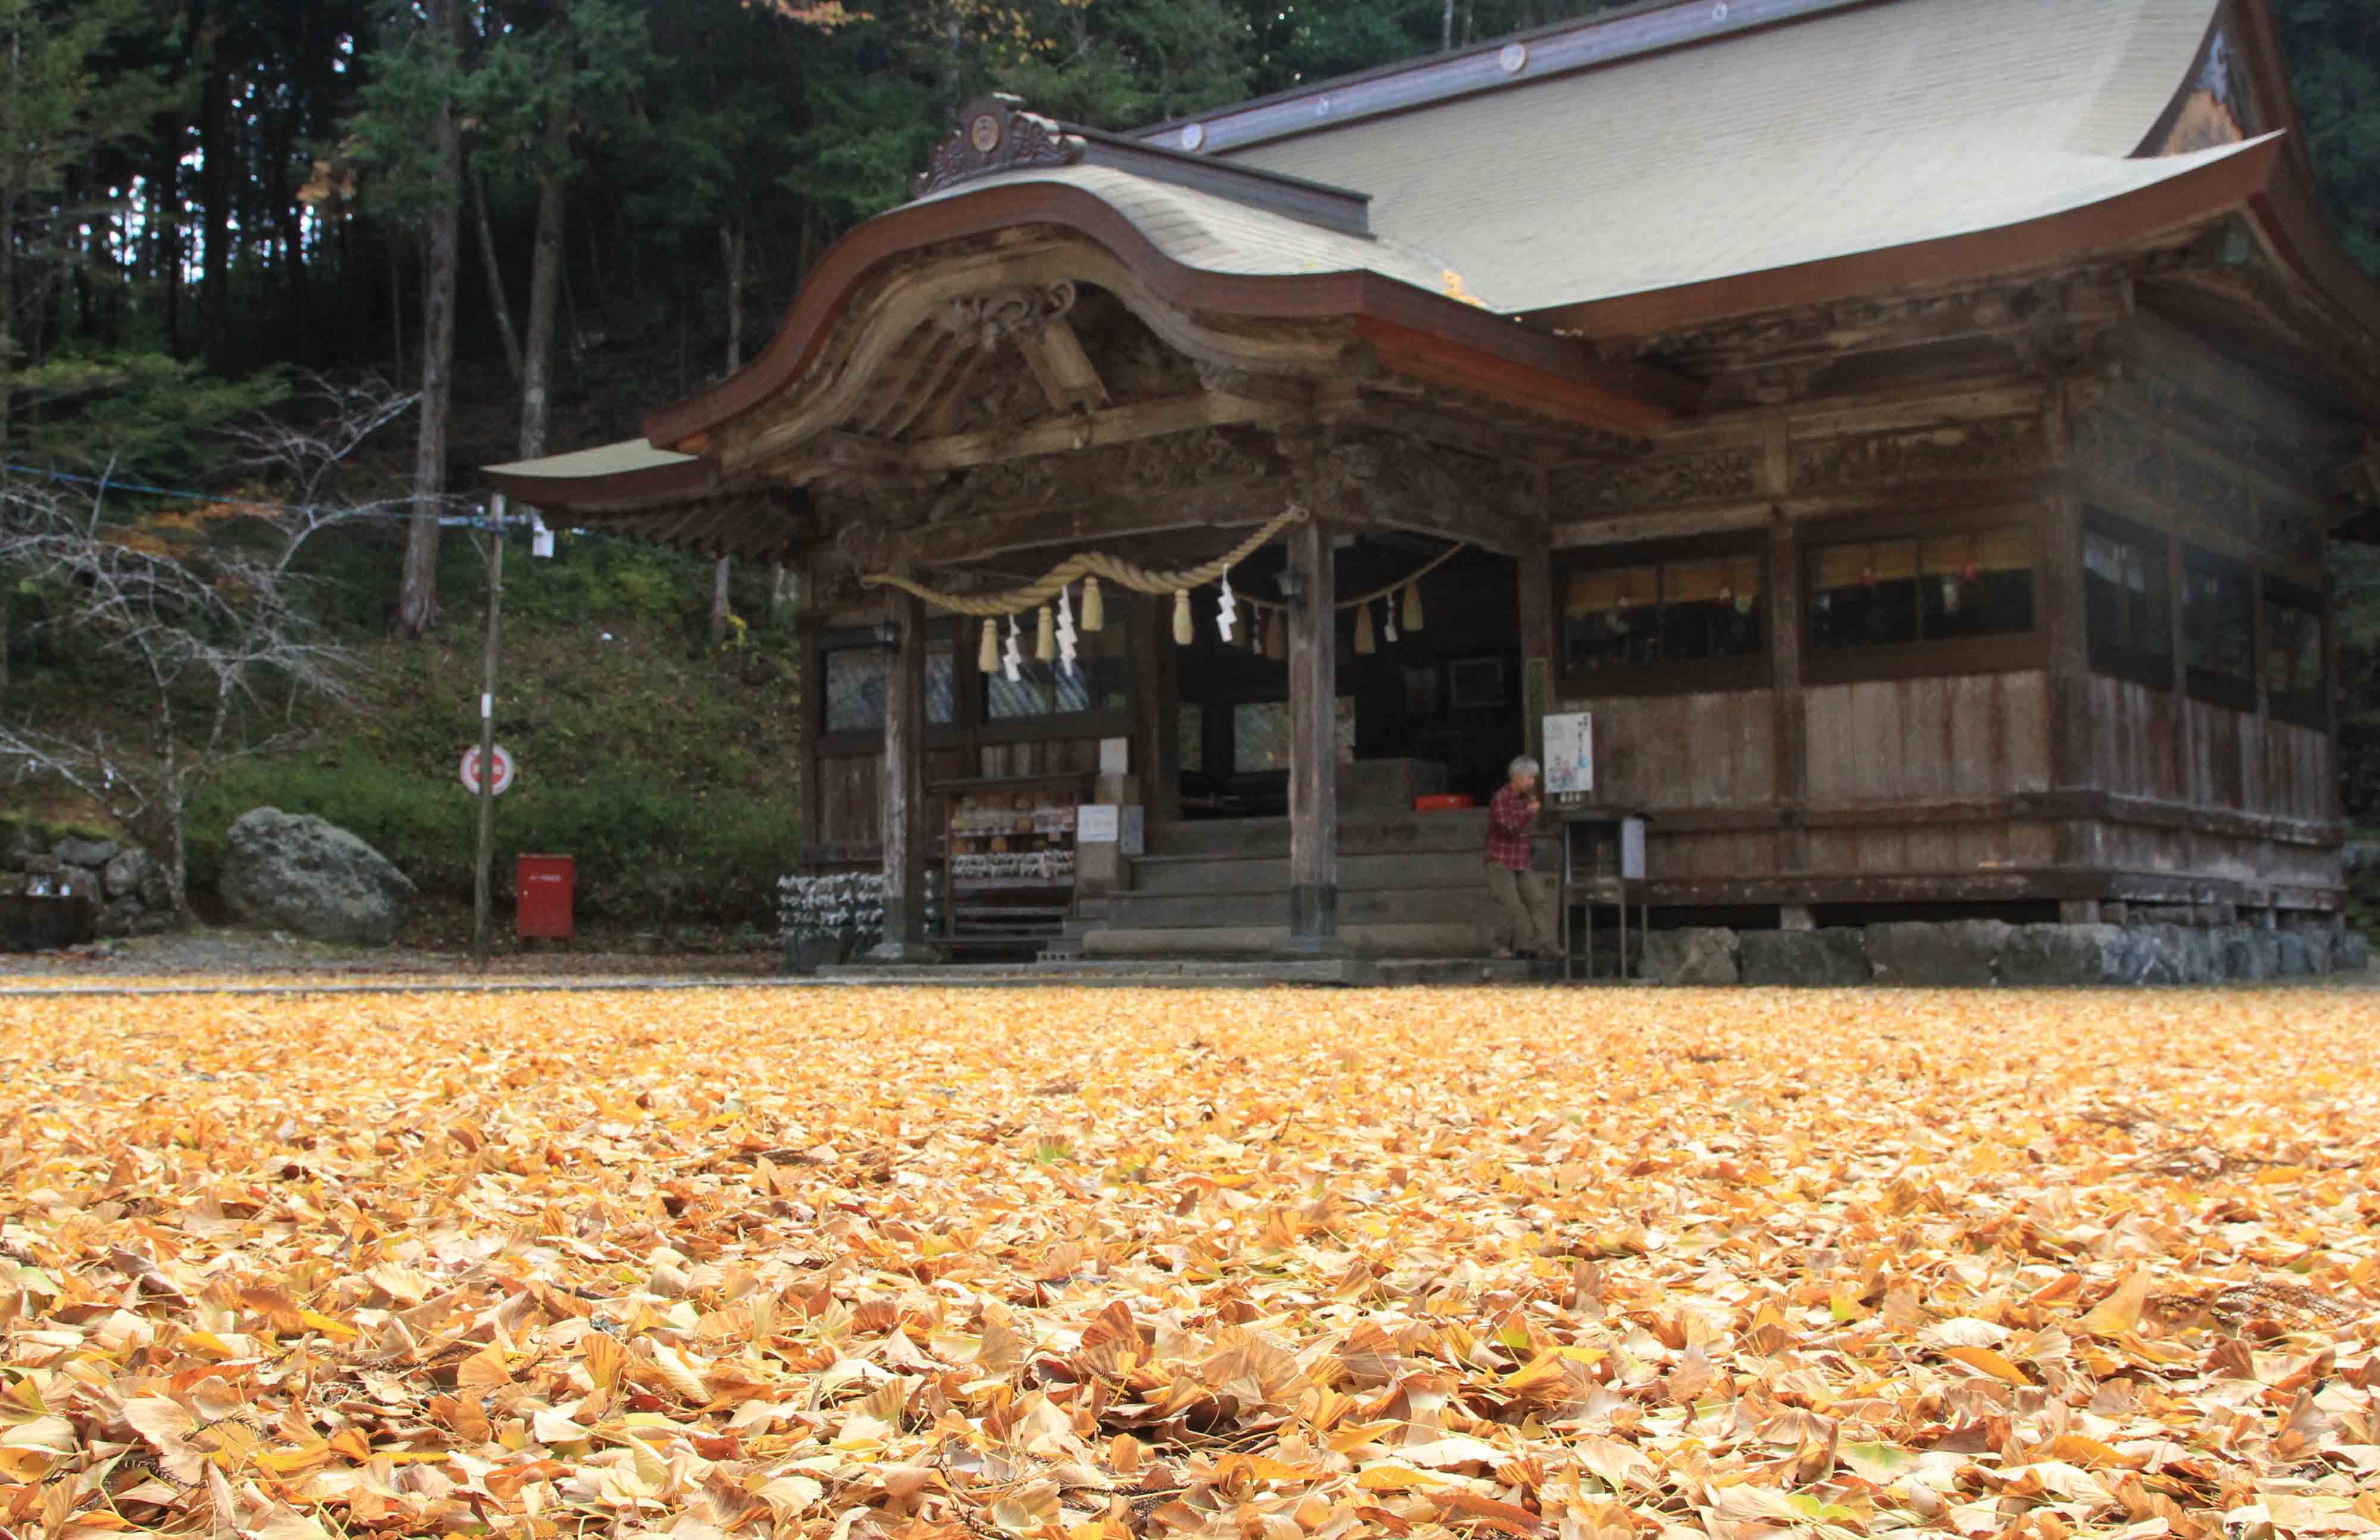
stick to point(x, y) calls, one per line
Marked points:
point(995, 134)
point(1655, 482)
point(1987, 448)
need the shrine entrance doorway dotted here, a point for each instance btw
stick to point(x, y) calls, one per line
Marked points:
point(1418, 708)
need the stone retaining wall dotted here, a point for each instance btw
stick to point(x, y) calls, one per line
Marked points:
point(125, 887)
point(1976, 954)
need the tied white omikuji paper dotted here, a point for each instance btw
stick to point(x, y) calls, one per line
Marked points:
point(1013, 655)
point(1227, 611)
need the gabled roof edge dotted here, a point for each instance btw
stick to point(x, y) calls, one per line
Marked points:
point(1521, 59)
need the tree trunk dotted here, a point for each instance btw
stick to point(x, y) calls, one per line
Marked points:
point(165, 209)
point(7, 315)
point(1446, 29)
point(417, 599)
point(731, 246)
point(397, 311)
point(544, 288)
point(177, 868)
point(215, 186)
point(496, 297)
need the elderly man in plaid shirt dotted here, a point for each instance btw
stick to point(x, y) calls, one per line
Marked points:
point(1527, 898)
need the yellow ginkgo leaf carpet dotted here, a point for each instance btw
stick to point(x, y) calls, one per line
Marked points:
point(1266, 1263)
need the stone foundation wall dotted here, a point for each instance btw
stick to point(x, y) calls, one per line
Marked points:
point(1982, 954)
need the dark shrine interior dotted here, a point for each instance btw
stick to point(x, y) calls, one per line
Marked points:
point(1449, 693)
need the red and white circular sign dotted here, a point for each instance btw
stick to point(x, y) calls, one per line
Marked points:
point(471, 770)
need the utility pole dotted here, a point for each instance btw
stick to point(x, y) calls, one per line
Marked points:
point(481, 896)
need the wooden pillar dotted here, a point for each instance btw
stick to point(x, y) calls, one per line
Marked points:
point(903, 783)
point(1312, 746)
point(1156, 735)
point(2060, 601)
point(1783, 599)
point(1534, 571)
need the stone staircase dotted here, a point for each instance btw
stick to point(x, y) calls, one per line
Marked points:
point(1411, 885)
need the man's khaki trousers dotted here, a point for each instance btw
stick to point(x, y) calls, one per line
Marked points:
point(1526, 899)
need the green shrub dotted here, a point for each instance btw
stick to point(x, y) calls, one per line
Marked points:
point(642, 853)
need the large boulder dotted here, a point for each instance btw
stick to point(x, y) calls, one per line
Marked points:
point(1835, 957)
point(1696, 955)
point(116, 919)
point(2249, 952)
point(89, 854)
point(123, 876)
point(2300, 953)
point(2053, 955)
point(1952, 954)
point(306, 874)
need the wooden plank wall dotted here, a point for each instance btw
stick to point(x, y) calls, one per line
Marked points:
point(2189, 442)
point(850, 807)
point(1040, 757)
point(2301, 774)
point(1704, 753)
point(1964, 738)
point(1674, 753)
point(2132, 740)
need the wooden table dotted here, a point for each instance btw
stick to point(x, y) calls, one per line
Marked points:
point(1616, 840)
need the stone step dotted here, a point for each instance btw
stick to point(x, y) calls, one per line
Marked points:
point(1434, 940)
point(1433, 869)
point(1125, 974)
point(1463, 829)
point(1264, 905)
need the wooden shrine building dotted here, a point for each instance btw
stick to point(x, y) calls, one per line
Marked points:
point(1912, 428)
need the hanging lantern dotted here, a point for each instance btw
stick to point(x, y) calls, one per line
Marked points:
point(1181, 632)
point(1413, 607)
point(1364, 646)
point(1275, 638)
point(1045, 638)
point(1095, 614)
point(987, 657)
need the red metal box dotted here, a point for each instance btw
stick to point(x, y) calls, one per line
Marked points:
point(547, 886)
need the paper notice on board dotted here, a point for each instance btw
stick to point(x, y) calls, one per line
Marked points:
point(1095, 825)
point(1569, 754)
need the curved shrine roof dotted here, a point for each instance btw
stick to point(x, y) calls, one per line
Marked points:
point(1846, 132)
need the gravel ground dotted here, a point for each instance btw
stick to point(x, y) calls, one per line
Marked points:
point(225, 953)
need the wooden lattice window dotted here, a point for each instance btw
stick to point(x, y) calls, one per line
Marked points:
point(2218, 629)
point(2297, 676)
point(2127, 600)
point(855, 668)
point(1897, 589)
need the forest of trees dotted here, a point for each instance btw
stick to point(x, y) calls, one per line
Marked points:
point(199, 194)
point(195, 194)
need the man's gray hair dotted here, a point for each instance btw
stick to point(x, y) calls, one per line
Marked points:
point(1523, 765)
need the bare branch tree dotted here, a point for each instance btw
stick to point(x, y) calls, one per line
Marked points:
point(308, 442)
point(195, 634)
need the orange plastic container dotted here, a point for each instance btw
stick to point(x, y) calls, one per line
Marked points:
point(1448, 803)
